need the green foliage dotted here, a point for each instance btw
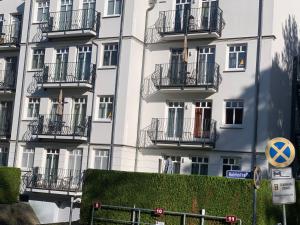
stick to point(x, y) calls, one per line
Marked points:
point(217, 195)
point(10, 179)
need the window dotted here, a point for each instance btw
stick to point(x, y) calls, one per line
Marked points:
point(33, 107)
point(172, 164)
point(38, 58)
point(237, 57)
point(42, 11)
point(114, 7)
point(234, 112)
point(3, 156)
point(106, 107)
point(101, 159)
point(27, 158)
point(230, 164)
point(110, 57)
point(199, 165)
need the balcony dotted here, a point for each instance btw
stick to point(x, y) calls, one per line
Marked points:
point(61, 127)
point(10, 36)
point(191, 77)
point(7, 81)
point(52, 180)
point(205, 22)
point(185, 132)
point(83, 22)
point(67, 75)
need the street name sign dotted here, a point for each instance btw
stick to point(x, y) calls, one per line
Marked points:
point(281, 173)
point(237, 174)
point(280, 152)
point(283, 191)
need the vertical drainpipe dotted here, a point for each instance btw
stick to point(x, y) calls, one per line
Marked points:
point(257, 90)
point(23, 81)
point(116, 86)
point(138, 135)
point(93, 105)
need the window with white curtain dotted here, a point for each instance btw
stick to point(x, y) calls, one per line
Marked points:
point(27, 158)
point(101, 159)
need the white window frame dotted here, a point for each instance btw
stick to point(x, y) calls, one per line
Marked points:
point(241, 45)
point(237, 163)
point(200, 162)
point(38, 52)
point(111, 51)
point(29, 152)
point(114, 14)
point(45, 4)
point(238, 101)
point(101, 154)
point(34, 102)
point(110, 101)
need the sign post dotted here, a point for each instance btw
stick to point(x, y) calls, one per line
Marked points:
point(280, 153)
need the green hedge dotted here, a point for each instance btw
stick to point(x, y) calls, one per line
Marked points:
point(219, 196)
point(10, 179)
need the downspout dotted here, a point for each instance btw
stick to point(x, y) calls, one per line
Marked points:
point(116, 87)
point(23, 81)
point(138, 135)
point(257, 91)
point(93, 105)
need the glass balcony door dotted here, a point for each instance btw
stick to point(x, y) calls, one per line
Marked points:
point(209, 14)
point(84, 63)
point(1, 23)
point(10, 68)
point(175, 119)
point(206, 65)
point(74, 166)
point(51, 168)
point(182, 13)
point(5, 117)
point(65, 17)
point(177, 68)
point(61, 64)
point(88, 13)
point(15, 27)
point(79, 115)
point(202, 124)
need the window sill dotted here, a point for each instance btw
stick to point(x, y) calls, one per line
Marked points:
point(29, 119)
point(102, 121)
point(39, 22)
point(35, 70)
point(111, 16)
point(234, 70)
point(227, 126)
point(107, 68)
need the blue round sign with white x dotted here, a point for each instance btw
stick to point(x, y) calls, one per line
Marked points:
point(280, 152)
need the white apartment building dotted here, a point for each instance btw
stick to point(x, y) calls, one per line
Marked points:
point(113, 84)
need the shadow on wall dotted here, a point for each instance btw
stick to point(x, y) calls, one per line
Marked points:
point(274, 101)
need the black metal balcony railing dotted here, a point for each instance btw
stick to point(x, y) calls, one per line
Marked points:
point(186, 131)
point(182, 75)
point(196, 20)
point(61, 125)
point(10, 34)
point(83, 19)
point(5, 123)
point(7, 80)
point(78, 72)
point(53, 179)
